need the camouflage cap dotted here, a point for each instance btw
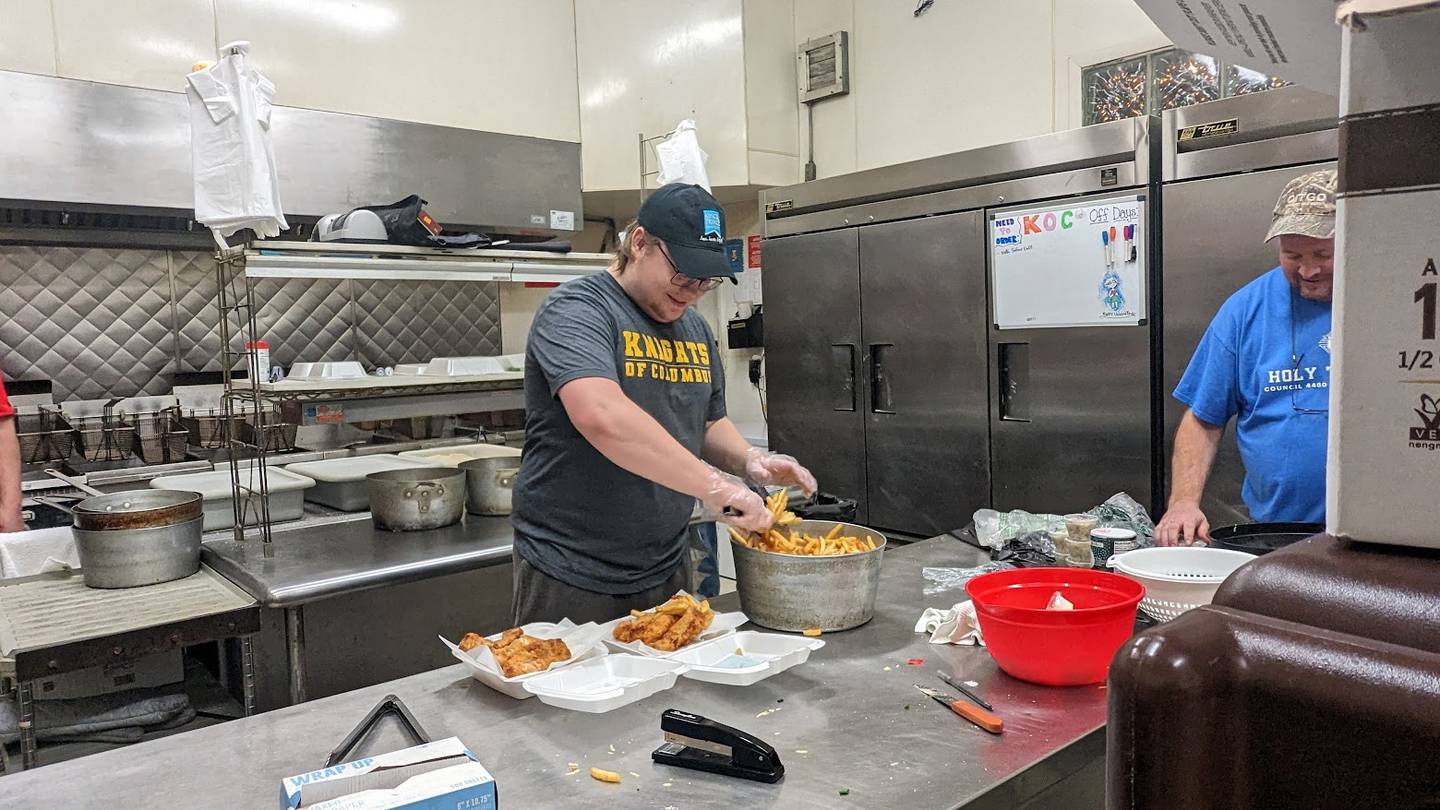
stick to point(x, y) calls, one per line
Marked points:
point(1306, 207)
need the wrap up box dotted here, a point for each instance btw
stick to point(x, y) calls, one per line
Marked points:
point(1384, 460)
point(442, 774)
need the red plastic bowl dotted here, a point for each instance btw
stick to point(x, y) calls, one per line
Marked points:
point(1055, 647)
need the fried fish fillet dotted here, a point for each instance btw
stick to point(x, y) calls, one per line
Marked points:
point(669, 626)
point(517, 653)
point(528, 654)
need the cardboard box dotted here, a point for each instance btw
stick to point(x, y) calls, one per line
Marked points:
point(152, 670)
point(1384, 446)
point(440, 774)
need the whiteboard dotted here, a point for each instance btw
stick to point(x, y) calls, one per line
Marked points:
point(1050, 266)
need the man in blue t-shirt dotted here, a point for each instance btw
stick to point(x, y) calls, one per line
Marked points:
point(1265, 360)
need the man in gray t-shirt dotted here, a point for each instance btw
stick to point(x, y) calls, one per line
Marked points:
point(626, 426)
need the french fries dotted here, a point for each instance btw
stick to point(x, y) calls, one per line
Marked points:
point(600, 775)
point(789, 541)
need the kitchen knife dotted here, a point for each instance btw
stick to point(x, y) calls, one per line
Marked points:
point(969, 711)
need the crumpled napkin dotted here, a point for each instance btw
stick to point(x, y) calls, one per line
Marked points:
point(958, 625)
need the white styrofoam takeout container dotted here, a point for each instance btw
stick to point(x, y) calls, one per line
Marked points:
point(464, 366)
point(342, 370)
point(448, 456)
point(606, 683)
point(744, 658)
point(340, 482)
point(583, 640)
point(287, 494)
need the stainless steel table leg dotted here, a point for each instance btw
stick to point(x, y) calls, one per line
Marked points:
point(26, 706)
point(295, 640)
point(247, 674)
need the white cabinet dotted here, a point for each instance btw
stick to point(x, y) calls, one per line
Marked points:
point(645, 65)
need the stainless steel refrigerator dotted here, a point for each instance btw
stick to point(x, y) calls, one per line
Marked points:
point(1219, 192)
point(883, 363)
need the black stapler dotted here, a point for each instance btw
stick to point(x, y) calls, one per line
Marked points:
point(696, 742)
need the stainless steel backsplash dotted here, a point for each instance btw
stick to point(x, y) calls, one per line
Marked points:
point(105, 321)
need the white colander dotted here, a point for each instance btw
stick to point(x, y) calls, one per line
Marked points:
point(1179, 578)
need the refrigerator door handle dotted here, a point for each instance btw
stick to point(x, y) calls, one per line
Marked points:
point(1013, 362)
point(842, 375)
point(881, 398)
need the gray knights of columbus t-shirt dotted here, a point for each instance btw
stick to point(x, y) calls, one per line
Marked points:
point(578, 517)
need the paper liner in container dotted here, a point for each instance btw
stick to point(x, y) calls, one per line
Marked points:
point(723, 625)
point(744, 658)
point(582, 639)
point(603, 684)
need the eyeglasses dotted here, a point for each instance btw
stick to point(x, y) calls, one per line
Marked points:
point(683, 281)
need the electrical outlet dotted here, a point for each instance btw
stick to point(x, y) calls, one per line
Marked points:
point(755, 365)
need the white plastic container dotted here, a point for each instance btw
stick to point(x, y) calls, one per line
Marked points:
point(603, 684)
point(455, 455)
point(287, 494)
point(745, 658)
point(345, 370)
point(725, 624)
point(1179, 578)
point(409, 369)
point(464, 366)
point(340, 482)
point(583, 641)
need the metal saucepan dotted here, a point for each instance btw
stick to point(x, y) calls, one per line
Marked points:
point(490, 483)
point(792, 592)
point(1262, 538)
point(129, 558)
point(141, 509)
point(416, 499)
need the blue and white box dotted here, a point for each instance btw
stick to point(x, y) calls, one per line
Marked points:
point(442, 774)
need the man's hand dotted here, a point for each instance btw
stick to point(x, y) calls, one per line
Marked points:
point(729, 500)
point(764, 467)
point(1183, 525)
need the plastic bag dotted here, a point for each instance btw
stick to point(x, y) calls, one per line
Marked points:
point(940, 580)
point(681, 158)
point(995, 529)
point(1124, 512)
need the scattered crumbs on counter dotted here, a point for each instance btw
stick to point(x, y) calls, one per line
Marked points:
point(612, 749)
point(667, 784)
point(768, 711)
point(972, 684)
point(780, 700)
point(844, 791)
point(671, 807)
point(887, 669)
point(634, 774)
point(916, 662)
point(907, 707)
point(801, 751)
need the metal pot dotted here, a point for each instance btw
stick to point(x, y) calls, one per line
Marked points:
point(792, 592)
point(490, 482)
point(141, 509)
point(129, 558)
point(417, 499)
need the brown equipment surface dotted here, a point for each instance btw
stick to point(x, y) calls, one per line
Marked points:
point(1312, 681)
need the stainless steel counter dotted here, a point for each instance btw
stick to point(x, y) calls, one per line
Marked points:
point(851, 710)
point(315, 562)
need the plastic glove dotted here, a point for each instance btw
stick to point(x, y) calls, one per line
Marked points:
point(764, 467)
point(728, 500)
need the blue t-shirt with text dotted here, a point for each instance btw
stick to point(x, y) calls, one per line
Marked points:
point(1265, 360)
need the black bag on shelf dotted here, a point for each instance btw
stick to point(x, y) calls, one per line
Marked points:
point(828, 507)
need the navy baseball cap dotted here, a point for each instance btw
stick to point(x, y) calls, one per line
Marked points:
point(691, 223)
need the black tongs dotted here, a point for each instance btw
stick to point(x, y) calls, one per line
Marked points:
point(699, 743)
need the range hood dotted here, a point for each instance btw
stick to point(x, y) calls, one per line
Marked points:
point(77, 143)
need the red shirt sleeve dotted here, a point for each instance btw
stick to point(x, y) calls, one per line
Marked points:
point(6, 409)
